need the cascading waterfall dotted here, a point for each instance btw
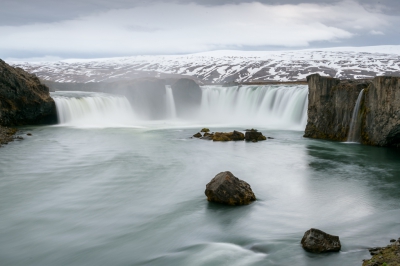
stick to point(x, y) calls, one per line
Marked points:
point(275, 107)
point(283, 107)
point(86, 109)
point(354, 131)
point(171, 109)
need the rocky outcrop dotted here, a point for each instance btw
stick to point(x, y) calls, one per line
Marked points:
point(389, 255)
point(332, 101)
point(254, 136)
point(227, 189)
point(317, 241)
point(23, 99)
point(251, 135)
point(228, 136)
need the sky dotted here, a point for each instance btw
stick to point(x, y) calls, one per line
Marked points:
point(55, 29)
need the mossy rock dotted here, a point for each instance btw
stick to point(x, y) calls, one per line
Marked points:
point(205, 130)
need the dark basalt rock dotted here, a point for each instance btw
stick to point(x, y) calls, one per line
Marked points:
point(317, 241)
point(331, 102)
point(254, 136)
point(227, 189)
point(23, 99)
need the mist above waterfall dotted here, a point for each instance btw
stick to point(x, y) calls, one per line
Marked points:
point(272, 106)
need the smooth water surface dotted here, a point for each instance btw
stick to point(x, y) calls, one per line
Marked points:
point(129, 196)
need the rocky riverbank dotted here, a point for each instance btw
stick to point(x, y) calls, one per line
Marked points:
point(387, 256)
point(331, 105)
point(7, 135)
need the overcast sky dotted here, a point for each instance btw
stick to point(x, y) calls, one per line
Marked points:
point(100, 28)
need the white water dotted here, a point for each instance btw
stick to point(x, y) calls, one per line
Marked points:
point(274, 107)
point(354, 131)
point(281, 107)
point(171, 109)
point(85, 109)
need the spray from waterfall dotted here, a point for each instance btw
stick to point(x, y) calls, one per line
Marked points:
point(355, 127)
point(85, 109)
point(274, 107)
point(171, 109)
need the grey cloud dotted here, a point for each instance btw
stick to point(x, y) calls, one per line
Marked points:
point(101, 28)
point(140, 28)
point(22, 12)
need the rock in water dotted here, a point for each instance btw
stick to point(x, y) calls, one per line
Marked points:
point(228, 136)
point(197, 135)
point(317, 241)
point(254, 135)
point(227, 189)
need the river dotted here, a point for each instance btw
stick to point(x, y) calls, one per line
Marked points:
point(106, 187)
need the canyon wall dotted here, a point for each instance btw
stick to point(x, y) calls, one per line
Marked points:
point(331, 105)
point(23, 99)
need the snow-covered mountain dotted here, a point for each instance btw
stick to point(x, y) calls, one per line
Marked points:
point(228, 66)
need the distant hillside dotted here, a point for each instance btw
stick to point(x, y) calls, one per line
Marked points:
point(228, 66)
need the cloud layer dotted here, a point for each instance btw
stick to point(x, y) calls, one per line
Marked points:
point(163, 28)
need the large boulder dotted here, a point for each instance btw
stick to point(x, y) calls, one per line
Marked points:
point(23, 99)
point(227, 189)
point(317, 241)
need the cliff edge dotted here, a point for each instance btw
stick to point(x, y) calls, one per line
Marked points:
point(332, 102)
point(23, 99)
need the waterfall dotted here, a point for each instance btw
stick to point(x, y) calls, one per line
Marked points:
point(272, 106)
point(354, 132)
point(86, 109)
point(171, 109)
point(276, 106)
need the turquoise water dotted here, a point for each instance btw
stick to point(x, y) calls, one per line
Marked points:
point(126, 196)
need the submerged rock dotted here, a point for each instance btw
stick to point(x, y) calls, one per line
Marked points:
point(317, 241)
point(227, 189)
point(254, 136)
point(389, 255)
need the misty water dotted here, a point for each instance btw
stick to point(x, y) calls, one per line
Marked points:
point(107, 187)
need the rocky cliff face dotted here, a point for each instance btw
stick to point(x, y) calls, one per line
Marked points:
point(331, 105)
point(23, 99)
point(381, 112)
